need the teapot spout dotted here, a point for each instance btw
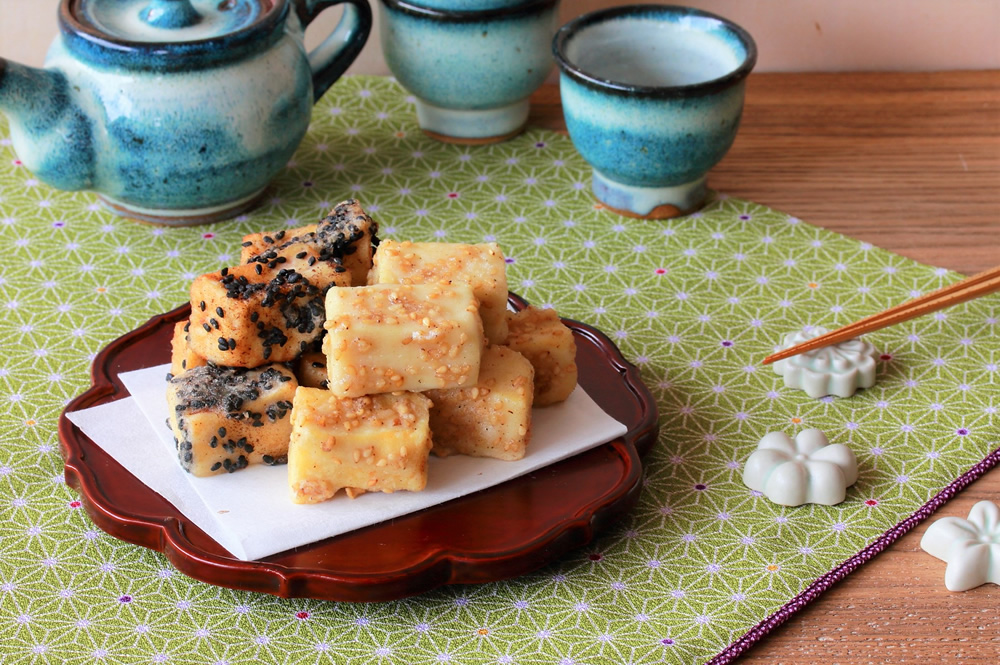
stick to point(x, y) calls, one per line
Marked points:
point(50, 133)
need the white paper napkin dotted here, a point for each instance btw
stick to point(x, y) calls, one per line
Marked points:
point(250, 512)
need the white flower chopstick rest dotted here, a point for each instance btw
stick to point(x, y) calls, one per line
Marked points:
point(971, 547)
point(838, 369)
point(806, 470)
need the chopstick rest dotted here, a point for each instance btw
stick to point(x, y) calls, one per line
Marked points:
point(839, 369)
point(806, 470)
point(970, 547)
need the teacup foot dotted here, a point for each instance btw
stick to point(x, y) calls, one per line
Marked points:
point(184, 217)
point(472, 127)
point(486, 140)
point(650, 202)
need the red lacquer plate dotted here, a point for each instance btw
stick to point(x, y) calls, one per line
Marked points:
point(494, 534)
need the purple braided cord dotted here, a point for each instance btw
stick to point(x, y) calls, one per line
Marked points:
point(737, 648)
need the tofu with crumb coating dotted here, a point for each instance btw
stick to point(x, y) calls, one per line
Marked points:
point(540, 336)
point(480, 266)
point(491, 418)
point(345, 239)
point(225, 418)
point(394, 337)
point(182, 358)
point(377, 443)
point(245, 317)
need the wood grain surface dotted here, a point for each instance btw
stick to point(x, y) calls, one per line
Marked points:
point(920, 153)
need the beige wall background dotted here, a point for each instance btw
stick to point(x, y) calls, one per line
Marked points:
point(792, 35)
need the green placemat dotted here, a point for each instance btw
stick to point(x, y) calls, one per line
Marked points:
point(695, 302)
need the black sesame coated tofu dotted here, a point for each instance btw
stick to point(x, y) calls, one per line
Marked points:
point(226, 418)
point(182, 358)
point(346, 239)
point(251, 315)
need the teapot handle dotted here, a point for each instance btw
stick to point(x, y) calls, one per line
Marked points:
point(332, 57)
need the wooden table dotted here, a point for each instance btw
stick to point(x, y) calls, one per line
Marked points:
point(920, 153)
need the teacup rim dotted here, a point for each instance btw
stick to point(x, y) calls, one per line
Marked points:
point(468, 16)
point(567, 31)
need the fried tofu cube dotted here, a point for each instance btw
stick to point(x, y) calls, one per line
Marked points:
point(540, 336)
point(480, 266)
point(378, 443)
point(391, 337)
point(311, 370)
point(493, 417)
point(182, 358)
point(255, 244)
point(226, 418)
point(252, 315)
point(345, 239)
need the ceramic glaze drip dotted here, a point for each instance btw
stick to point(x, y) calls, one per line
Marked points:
point(653, 52)
point(130, 19)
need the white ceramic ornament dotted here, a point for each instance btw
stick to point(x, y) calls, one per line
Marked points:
point(806, 470)
point(839, 369)
point(971, 547)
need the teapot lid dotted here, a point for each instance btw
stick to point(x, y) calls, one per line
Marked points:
point(169, 20)
point(169, 34)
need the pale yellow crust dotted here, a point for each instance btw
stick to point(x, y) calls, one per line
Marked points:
point(480, 266)
point(390, 337)
point(376, 443)
point(540, 336)
point(490, 419)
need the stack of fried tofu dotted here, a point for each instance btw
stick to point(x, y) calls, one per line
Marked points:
point(415, 353)
point(231, 387)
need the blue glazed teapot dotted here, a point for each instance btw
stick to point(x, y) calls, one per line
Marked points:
point(175, 111)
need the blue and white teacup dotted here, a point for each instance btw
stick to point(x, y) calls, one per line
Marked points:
point(471, 64)
point(652, 96)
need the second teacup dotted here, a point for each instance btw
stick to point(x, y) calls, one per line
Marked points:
point(471, 64)
point(652, 96)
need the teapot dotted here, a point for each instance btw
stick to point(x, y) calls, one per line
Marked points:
point(175, 111)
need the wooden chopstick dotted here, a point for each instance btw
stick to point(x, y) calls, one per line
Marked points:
point(978, 285)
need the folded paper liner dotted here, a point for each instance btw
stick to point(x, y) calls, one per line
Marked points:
point(250, 512)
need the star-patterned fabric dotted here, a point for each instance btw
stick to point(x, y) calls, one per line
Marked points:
point(695, 302)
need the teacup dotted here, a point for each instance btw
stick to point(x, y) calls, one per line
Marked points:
point(471, 64)
point(652, 96)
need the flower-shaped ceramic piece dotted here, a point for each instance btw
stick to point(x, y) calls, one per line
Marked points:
point(839, 369)
point(970, 547)
point(806, 470)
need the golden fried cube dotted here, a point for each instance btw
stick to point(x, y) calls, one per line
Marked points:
point(390, 337)
point(540, 336)
point(345, 239)
point(226, 418)
point(255, 244)
point(251, 315)
point(378, 443)
point(491, 418)
point(480, 266)
point(311, 370)
point(182, 358)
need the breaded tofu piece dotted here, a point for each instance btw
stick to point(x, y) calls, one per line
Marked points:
point(182, 358)
point(480, 266)
point(252, 315)
point(391, 337)
point(540, 336)
point(346, 239)
point(226, 418)
point(493, 417)
point(377, 443)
